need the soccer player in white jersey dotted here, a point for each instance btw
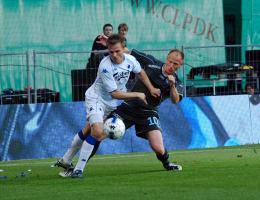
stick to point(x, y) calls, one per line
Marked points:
point(102, 98)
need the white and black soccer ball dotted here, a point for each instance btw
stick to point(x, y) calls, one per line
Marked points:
point(114, 128)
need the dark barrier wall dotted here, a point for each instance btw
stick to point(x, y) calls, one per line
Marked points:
point(46, 130)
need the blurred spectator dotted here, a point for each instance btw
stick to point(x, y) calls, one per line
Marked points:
point(122, 31)
point(98, 44)
point(249, 89)
point(254, 98)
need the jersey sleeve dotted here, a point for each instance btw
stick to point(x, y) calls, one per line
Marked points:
point(107, 78)
point(136, 66)
point(142, 58)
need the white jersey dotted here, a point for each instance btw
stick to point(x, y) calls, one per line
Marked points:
point(111, 77)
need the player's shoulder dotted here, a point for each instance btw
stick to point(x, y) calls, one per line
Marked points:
point(155, 66)
point(105, 64)
point(105, 61)
point(130, 58)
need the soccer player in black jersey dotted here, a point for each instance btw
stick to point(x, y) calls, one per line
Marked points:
point(145, 116)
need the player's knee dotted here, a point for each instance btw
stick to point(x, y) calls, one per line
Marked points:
point(97, 132)
point(98, 135)
point(86, 130)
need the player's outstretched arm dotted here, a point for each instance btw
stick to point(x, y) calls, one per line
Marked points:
point(144, 78)
point(117, 94)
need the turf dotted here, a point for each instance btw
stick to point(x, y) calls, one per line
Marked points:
point(221, 173)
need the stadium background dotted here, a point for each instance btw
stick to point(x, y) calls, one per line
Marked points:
point(45, 130)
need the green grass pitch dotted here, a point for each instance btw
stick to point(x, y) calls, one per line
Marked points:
point(221, 173)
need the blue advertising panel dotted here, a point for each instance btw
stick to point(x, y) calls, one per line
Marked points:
point(46, 130)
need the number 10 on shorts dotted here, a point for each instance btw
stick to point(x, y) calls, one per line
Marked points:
point(153, 121)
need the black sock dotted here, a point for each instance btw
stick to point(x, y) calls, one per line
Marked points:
point(163, 158)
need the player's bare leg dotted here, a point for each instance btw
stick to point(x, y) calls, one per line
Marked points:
point(156, 142)
point(87, 148)
point(66, 161)
point(86, 130)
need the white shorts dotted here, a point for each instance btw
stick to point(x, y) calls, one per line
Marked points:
point(97, 111)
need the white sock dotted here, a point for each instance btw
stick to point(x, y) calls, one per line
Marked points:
point(85, 153)
point(73, 149)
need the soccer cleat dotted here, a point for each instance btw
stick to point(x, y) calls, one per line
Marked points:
point(172, 167)
point(77, 174)
point(61, 163)
point(66, 173)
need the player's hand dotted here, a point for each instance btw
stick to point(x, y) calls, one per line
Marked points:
point(142, 97)
point(172, 80)
point(155, 92)
point(102, 40)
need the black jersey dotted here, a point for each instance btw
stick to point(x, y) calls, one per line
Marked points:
point(153, 68)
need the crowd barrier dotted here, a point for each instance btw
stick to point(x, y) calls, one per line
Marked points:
point(70, 73)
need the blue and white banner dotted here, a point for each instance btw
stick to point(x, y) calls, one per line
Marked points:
point(46, 130)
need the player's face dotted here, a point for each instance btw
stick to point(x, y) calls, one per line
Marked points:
point(116, 52)
point(173, 62)
point(108, 31)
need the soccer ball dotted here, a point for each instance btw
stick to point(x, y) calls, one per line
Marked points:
point(114, 128)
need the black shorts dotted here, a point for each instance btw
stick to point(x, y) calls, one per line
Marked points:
point(144, 119)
